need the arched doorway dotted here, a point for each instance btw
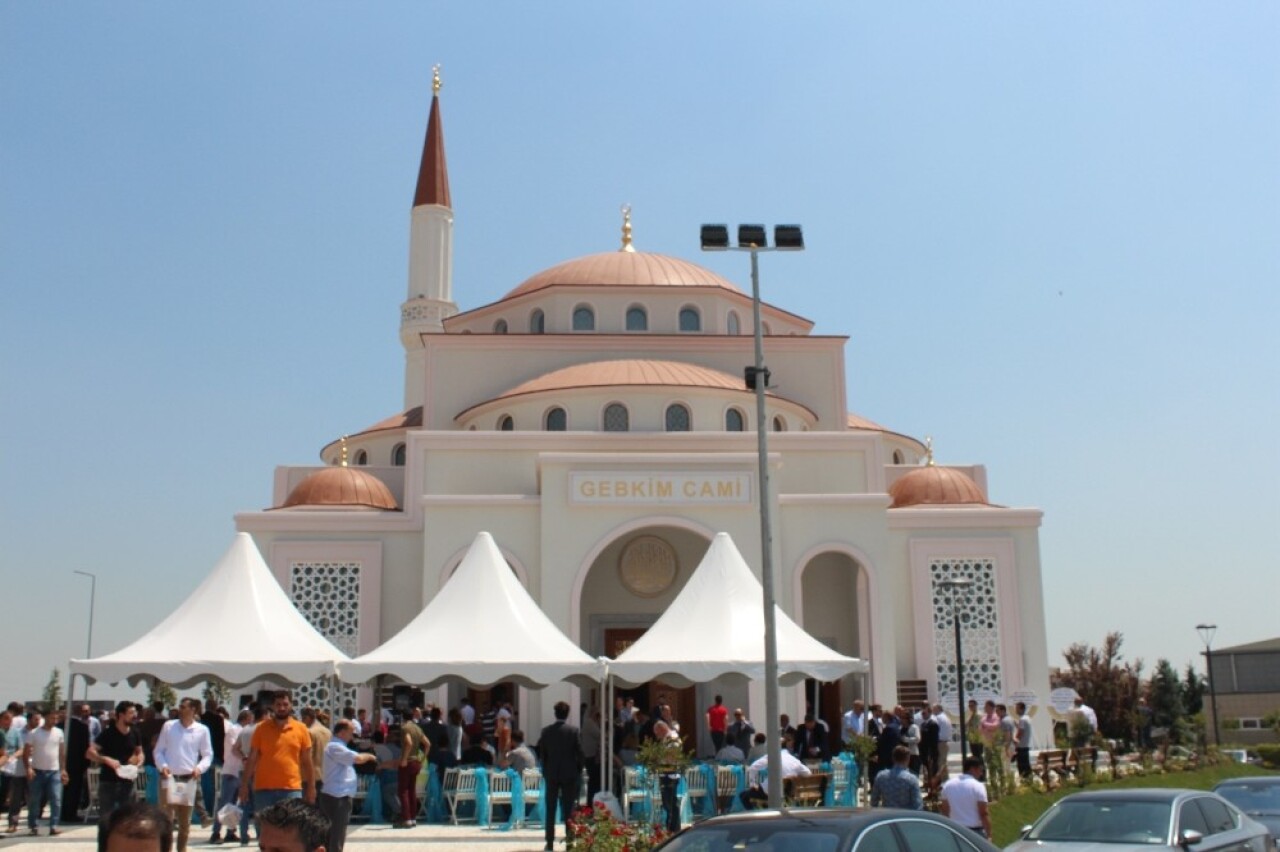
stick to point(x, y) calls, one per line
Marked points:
point(834, 603)
point(630, 583)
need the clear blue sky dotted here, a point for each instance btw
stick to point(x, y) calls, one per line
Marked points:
point(1052, 232)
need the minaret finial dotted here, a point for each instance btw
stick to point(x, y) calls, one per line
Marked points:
point(626, 229)
point(928, 450)
point(435, 79)
point(343, 462)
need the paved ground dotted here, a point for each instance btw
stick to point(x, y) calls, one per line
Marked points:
point(374, 838)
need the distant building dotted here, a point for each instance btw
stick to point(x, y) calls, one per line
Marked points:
point(1247, 681)
point(595, 421)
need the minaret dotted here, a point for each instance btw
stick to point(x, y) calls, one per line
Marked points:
point(430, 298)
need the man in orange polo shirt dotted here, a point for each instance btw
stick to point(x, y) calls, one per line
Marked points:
point(279, 765)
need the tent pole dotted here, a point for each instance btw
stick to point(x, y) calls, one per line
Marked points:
point(604, 727)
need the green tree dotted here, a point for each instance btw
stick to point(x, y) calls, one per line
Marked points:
point(1164, 694)
point(52, 696)
point(162, 693)
point(218, 691)
point(1108, 684)
point(1194, 688)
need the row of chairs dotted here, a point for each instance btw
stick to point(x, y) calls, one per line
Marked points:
point(459, 787)
point(640, 789)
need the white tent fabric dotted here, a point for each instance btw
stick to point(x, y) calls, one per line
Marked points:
point(238, 626)
point(715, 628)
point(482, 627)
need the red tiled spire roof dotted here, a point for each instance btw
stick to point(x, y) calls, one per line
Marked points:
point(433, 175)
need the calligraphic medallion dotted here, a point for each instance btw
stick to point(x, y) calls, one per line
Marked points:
point(647, 566)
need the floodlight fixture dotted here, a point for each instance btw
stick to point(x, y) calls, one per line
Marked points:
point(752, 237)
point(715, 237)
point(788, 238)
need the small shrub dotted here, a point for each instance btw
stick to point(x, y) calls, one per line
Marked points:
point(597, 829)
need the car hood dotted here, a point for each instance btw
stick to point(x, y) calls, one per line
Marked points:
point(1037, 846)
point(1270, 820)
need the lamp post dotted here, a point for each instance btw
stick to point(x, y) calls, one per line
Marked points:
point(93, 596)
point(1207, 632)
point(956, 585)
point(752, 238)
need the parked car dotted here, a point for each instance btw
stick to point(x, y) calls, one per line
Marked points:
point(1142, 818)
point(827, 830)
point(1257, 796)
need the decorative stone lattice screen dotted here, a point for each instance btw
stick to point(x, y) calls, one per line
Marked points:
point(328, 596)
point(979, 626)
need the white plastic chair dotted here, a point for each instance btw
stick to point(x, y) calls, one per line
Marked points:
point(532, 781)
point(636, 789)
point(499, 794)
point(464, 789)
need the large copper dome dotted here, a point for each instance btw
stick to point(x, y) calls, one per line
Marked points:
point(624, 269)
point(341, 487)
point(935, 486)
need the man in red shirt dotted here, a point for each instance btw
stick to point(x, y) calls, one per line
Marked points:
point(717, 722)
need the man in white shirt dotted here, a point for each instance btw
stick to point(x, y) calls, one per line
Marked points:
point(183, 752)
point(854, 722)
point(340, 782)
point(232, 766)
point(46, 756)
point(964, 798)
point(945, 732)
point(791, 767)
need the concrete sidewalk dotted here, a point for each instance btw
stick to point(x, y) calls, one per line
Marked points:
point(361, 838)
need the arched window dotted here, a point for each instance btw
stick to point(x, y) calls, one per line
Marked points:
point(398, 455)
point(361, 458)
point(677, 419)
point(637, 319)
point(500, 327)
point(506, 424)
point(897, 456)
point(732, 324)
point(556, 420)
point(734, 421)
point(537, 322)
point(779, 425)
point(584, 319)
point(616, 418)
point(690, 319)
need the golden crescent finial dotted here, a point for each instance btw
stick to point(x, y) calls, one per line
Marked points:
point(626, 229)
point(435, 79)
point(928, 450)
point(343, 462)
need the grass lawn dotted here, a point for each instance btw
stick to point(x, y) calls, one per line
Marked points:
point(1011, 813)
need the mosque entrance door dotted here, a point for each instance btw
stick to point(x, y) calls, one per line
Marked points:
point(682, 700)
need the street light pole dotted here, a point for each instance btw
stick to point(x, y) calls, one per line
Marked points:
point(751, 238)
point(93, 596)
point(1207, 632)
point(954, 586)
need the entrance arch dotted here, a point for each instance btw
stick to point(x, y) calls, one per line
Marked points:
point(625, 585)
point(834, 606)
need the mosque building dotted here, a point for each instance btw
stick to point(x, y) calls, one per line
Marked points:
point(603, 435)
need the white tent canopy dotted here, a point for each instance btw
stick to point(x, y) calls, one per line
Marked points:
point(238, 626)
point(482, 627)
point(715, 628)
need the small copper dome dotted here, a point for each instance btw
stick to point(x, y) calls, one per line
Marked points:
point(935, 486)
point(341, 487)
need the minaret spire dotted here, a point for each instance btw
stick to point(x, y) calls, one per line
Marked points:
point(433, 174)
point(430, 298)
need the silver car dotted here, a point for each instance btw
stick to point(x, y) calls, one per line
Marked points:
point(1141, 818)
point(1258, 796)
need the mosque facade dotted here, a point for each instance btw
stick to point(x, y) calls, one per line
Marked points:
point(603, 434)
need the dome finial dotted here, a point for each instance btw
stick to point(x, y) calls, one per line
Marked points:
point(343, 461)
point(626, 229)
point(435, 79)
point(928, 450)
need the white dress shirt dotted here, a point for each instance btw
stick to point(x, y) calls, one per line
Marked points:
point(183, 749)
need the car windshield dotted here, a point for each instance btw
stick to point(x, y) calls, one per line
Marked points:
point(1104, 821)
point(1253, 798)
point(762, 836)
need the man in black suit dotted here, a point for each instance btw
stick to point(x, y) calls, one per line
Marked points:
point(560, 750)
